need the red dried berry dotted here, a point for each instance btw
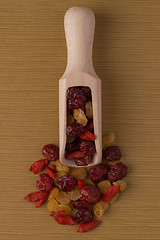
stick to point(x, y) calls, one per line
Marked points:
point(45, 182)
point(80, 183)
point(66, 220)
point(87, 147)
point(87, 135)
point(51, 152)
point(73, 146)
point(91, 193)
point(84, 216)
point(74, 129)
point(89, 126)
point(79, 204)
point(67, 183)
point(117, 172)
point(76, 97)
point(50, 173)
point(39, 203)
point(85, 227)
point(99, 172)
point(83, 161)
point(53, 168)
point(73, 155)
point(57, 214)
point(112, 153)
point(110, 193)
point(87, 92)
point(35, 196)
point(38, 166)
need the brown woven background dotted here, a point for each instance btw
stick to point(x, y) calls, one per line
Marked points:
point(32, 59)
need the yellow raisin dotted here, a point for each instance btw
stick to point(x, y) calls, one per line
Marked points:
point(79, 173)
point(122, 183)
point(80, 116)
point(70, 119)
point(63, 197)
point(75, 194)
point(88, 181)
point(58, 175)
point(99, 208)
point(113, 199)
point(52, 204)
point(108, 140)
point(89, 110)
point(61, 168)
point(104, 185)
point(110, 164)
point(63, 207)
point(53, 193)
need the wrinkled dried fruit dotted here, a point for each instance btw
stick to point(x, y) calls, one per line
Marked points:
point(66, 220)
point(67, 183)
point(88, 181)
point(45, 182)
point(110, 193)
point(73, 146)
point(76, 154)
point(51, 152)
point(87, 135)
point(75, 194)
point(58, 175)
point(53, 168)
point(89, 126)
point(99, 208)
point(91, 193)
point(117, 172)
point(122, 183)
point(87, 92)
point(110, 164)
point(85, 227)
point(61, 168)
point(63, 198)
point(76, 97)
point(112, 153)
point(89, 110)
point(80, 204)
point(79, 173)
point(74, 130)
point(114, 199)
point(50, 172)
point(53, 193)
point(57, 214)
point(39, 165)
point(52, 204)
point(39, 202)
point(99, 172)
point(35, 196)
point(70, 139)
point(84, 216)
point(104, 185)
point(108, 140)
point(63, 207)
point(83, 161)
point(80, 183)
point(70, 119)
point(80, 116)
point(87, 147)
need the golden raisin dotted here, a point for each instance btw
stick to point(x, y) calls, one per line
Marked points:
point(122, 183)
point(63, 207)
point(99, 208)
point(75, 194)
point(53, 193)
point(70, 119)
point(52, 204)
point(89, 110)
point(113, 199)
point(63, 198)
point(104, 185)
point(108, 140)
point(88, 181)
point(61, 168)
point(79, 173)
point(80, 116)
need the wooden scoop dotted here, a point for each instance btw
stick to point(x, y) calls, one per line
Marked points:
point(79, 23)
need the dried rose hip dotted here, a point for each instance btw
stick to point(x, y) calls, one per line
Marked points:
point(74, 130)
point(57, 214)
point(110, 193)
point(76, 154)
point(35, 196)
point(73, 146)
point(117, 172)
point(85, 227)
point(80, 183)
point(67, 183)
point(90, 192)
point(87, 92)
point(51, 152)
point(84, 216)
point(87, 135)
point(38, 166)
point(76, 97)
point(50, 172)
point(99, 172)
point(66, 220)
point(45, 182)
point(83, 161)
point(112, 153)
point(39, 202)
point(79, 204)
point(87, 147)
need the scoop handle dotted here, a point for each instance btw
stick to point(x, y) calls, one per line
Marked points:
point(79, 23)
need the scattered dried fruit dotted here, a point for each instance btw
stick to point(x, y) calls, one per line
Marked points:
point(62, 207)
point(57, 214)
point(91, 193)
point(52, 204)
point(66, 220)
point(117, 172)
point(67, 183)
point(53, 193)
point(99, 208)
point(84, 216)
point(39, 203)
point(99, 172)
point(108, 140)
point(80, 183)
point(79, 173)
point(85, 227)
point(75, 194)
point(39, 165)
point(80, 204)
point(122, 183)
point(45, 182)
point(112, 153)
point(80, 116)
point(109, 194)
point(61, 168)
point(35, 196)
point(51, 152)
point(50, 173)
point(53, 168)
point(63, 197)
point(114, 199)
point(104, 185)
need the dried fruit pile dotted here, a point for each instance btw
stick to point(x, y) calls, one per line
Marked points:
point(89, 191)
point(80, 146)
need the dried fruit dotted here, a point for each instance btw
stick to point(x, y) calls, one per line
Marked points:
point(99, 208)
point(75, 194)
point(85, 227)
point(112, 153)
point(88, 181)
point(76, 154)
point(67, 183)
point(108, 140)
point(99, 172)
point(80, 204)
point(89, 126)
point(66, 220)
point(70, 139)
point(52, 204)
point(74, 130)
point(87, 135)
point(109, 194)
point(57, 214)
point(110, 164)
point(76, 97)
point(80, 183)
point(38, 166)
point(117, 172)
point(53, 193)
point(91, 193)
point(87, 92)
point(70, 119)
point(39, 202)
point(61, 168)
point(58, 175)
point(122, 183)
point(53, 168)
point(45, 182)
point(104, 185)
point(63, 198)
point(87, 147)
point(83, 161)
point(35, 196)
point(62, 207)
point(80, 116)
point(89, 110)
point(79, 173)
point(50, 172)
point(51, 152)
point(73, 146)
point(84, 216)
point(114, 199)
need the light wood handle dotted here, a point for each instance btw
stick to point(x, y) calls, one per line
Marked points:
point(79, 23)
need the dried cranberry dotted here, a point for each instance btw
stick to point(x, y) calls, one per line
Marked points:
point(67, 183)
point(87, 92)
point(51, 152)
point(74, 129)
point(79, 204)
point(73, 146)
point(83, 161)
point(112, 153)
point(45, 182)
point(84, 216)
point(87, 147)
point(90, 192)
point(117, 172)
point(76, 97)
point(99, 172)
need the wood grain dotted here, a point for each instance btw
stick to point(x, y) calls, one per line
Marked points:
point(32, 59)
